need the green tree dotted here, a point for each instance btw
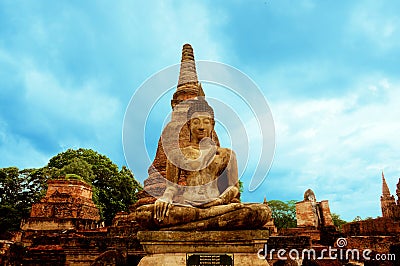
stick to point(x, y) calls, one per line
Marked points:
point(79, 168)
point(18, 190)
point(113, 189)
point(10, 199)
point(283, 213)
point(359, 218)
point(337, 221)
point(240, 186)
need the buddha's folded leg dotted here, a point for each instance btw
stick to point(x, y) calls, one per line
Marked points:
point(177, 215)
point(248, 216)
point(230, 216)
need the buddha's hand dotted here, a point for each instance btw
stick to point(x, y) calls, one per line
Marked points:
point(161, 208)
point(215, 202)
point(224, 198)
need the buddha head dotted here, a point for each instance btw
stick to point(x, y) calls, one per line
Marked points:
point(309, 196)
point(200, 117)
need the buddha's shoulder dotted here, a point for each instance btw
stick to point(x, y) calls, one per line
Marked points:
point(225, 152)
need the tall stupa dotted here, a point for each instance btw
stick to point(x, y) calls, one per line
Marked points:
point(188, 87)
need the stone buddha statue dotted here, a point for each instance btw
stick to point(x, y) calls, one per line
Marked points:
point(310, 196)
point(193, 198)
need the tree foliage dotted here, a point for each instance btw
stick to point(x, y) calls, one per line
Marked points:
point(113, 189)
point(78, 167)
point(283, 213)
point(337, 221)
point(359, 218)
point(18, 190)
point(240, 186)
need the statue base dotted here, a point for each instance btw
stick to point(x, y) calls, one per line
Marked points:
point(182, 248)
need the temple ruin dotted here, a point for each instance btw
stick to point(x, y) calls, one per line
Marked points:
point(313, 214)
point(64, 227)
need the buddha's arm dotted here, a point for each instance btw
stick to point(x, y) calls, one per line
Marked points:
point(162, 205)
point(232, 171)
point(172, 175)
point(225, 198)
point(233, 182)
point(232, 191)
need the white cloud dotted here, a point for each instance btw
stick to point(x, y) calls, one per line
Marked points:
point(376, 22)
point(186, 22)
point(70, 67)
point(54, 115)
point(85, 104)
point(17, 151)
point(338, 146)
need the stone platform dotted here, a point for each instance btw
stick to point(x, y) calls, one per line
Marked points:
point(173, 247)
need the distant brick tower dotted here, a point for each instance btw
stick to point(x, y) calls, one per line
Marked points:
point(398, 193)
point(388, 203)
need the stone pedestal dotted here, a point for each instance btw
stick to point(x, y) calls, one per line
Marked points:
point(172, 247)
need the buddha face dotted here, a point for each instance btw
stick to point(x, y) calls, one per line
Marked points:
point(201, 125)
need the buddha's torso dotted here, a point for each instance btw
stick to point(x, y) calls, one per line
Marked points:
point(201, 186)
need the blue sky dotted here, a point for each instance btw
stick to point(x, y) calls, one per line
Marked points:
point(329, 70)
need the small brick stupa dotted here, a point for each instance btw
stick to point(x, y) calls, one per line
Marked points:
point(67, 205)
point(54, 234)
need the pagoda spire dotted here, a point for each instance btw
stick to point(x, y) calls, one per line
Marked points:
point(187, 72)
point(385, 188)
point(388, 203)
point(188, 85)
